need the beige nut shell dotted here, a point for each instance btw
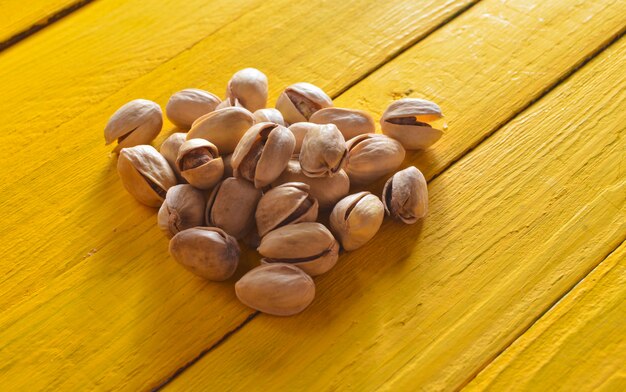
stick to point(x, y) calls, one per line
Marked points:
point(204, 176)
point(372, 156)
point(356, 219)
point(415, 133)
point(186, 106)
point(351, 122)
point(137, 122)
point(182, 209)
point(249, 86)
point(285, 204)
point(223, 127)
point(269, 115)
point(307, 92)
point(231, 206)
point(169, 149)
point(323, 152)
point(405, 195)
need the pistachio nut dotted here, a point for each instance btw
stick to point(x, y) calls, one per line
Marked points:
point(223, 127)
point(231, 206)
point(199, 163)
point(307, 245)
point(299, 101)
point(285, 204)
point(356, 219)
point(206, 251)
point(326, 190)
point(299, 130)
point(169, 149)
point(182, 209)
point(278, 289)
point(186, 106)
point(405, 195)
point(263, 153)
point(145, 174)
point(229, 102)
point(249, 86)
point(323, 151)
point(269, 115)
point(135, 123)
point(409, 120)
point(228, 166)
point(351, 122)
point(372, 156)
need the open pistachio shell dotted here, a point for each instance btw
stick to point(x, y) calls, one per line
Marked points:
point(186, 106)
point(299, 101)
point(323, 152)
point(269, 115)
point(249, 86)
point(299, 130)
point(285, 204)
point(405, 195)
point(351, 122)
point(372, 156)
point(135, 123)
point(231, 206)
point(408, 121)
point(199, 163)
point(223, 127)
point(182, 209)
point(169, 149)
point(356, 219)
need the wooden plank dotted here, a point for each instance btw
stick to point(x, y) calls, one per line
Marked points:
point(578, 345)
point(89, 296)
point(512, 227)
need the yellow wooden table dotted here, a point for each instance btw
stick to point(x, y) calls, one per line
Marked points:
point(516, 280)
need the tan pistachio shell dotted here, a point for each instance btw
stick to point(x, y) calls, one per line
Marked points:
point(182, 209)
point(169, 149)
point(323, 152)
point(299, 101)
point(186, 106)
point(405, 195)
point(408, 121)
point(351, 122)
point(135, 123)
point(307, 245)
point(326, 190)
point(223, 127)
point(356, 219)
point(145, 174)
point(300, 130)
point(373, 156)
point(231, 206)
point(249, 86)
point(206, 251)
point(278, 289)
point(207, 168)
point(269, 115)
point(263, 153)
point(229, 102)
point(285, 204)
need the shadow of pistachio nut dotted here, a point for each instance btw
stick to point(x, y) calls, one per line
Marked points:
point(249, 86)
point(145, 174)
point(263, 153)
point(299, 130)
point(299, 101)
point(326, 190)
point(228, 166)
point(356, 219)
point(199, 163)
point(135, 123)
point(351, 122)
point(186, 106)
point(223, 127)
point(285, 204)
point(309, 246)
point(229, 102)
point(231, 206)
point(269, 115)
point(372, 156)
point(278, 289)
point(208, 252)
point(323, 152)
point(408, 120)
point(182, 209)
point(405, 195)
point(169, 149)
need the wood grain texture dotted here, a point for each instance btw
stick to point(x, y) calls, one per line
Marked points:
point(512, 227)
point(578, 345)
point(90, 297)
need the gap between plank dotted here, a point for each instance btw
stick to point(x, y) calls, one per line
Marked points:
point(55, 17)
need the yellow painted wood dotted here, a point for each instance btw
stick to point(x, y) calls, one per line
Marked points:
point(580, 344)
point(512, 227)
point(17, 16)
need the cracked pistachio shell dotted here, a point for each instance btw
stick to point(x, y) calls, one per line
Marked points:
point(269, 115)
point(323, 152)
point(373, 156)
point(206, 251)
point(229, 102)
point(309, 246)
point(199, 163)
point(263, 153)
point(351, 122)
point(405, 195)
point(182, 209)
point(137, 122)
point(249, 86)
point(299, 130)
point(285, 204)
point(145, 174)
point(326, 190)
point(169, 149)
point(186, 106)
point(278, 289)
point(223, 127)
point(356, 219)
point(299, 101)
point(231, 206)
point(408, 121)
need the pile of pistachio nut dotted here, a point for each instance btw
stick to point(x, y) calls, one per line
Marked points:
point(264, 176)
